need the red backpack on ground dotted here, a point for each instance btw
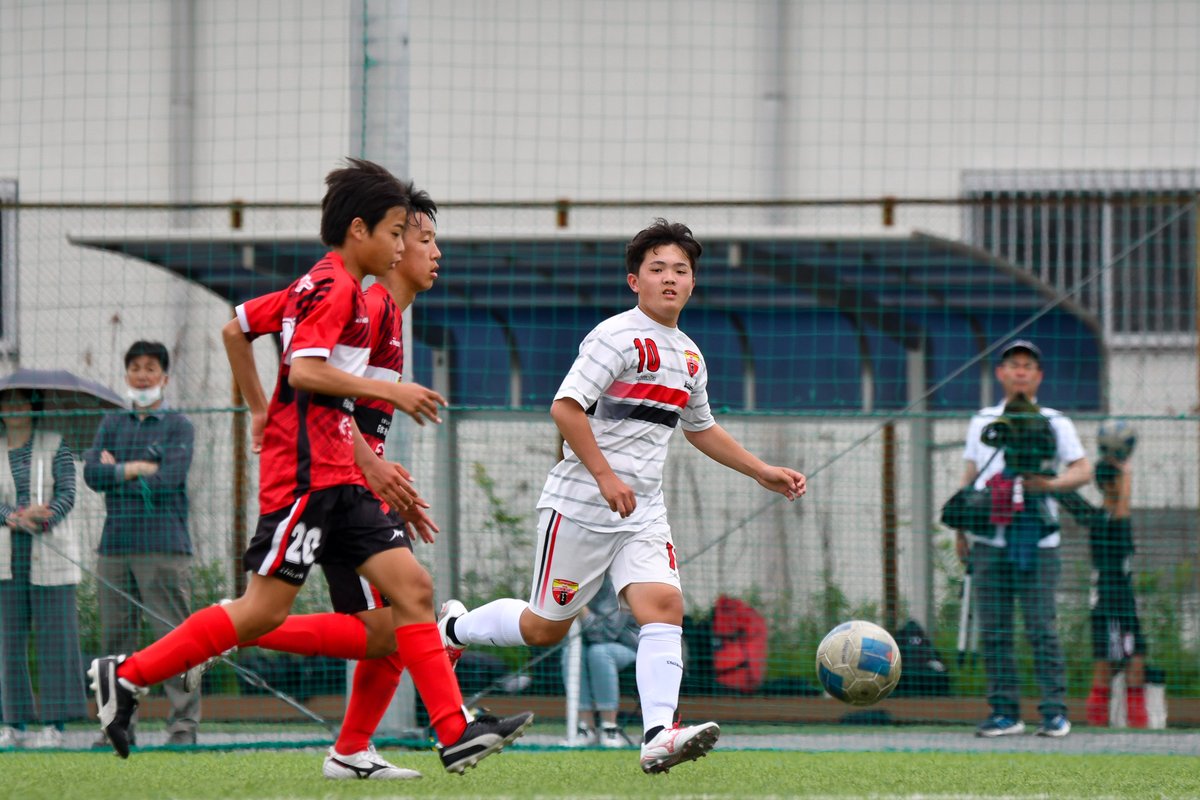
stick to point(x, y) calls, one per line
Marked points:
point(740, 647)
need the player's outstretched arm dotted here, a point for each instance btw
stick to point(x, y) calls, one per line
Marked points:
point(240, 352)
point(419, 402)
point(573, 424)
point(716, 443)
point(315, 374)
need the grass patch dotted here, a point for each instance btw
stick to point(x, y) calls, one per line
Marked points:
point(269, 774)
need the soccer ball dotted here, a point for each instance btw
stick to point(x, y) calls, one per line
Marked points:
point(1116, 438)
point(858, 663)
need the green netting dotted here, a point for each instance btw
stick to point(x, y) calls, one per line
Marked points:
point(886, 195)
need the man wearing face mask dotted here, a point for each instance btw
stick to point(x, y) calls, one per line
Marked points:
point(139, 461)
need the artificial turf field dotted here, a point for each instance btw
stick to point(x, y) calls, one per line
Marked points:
point(574, 775)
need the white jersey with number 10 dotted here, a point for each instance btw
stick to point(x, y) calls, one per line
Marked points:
point(637, 380)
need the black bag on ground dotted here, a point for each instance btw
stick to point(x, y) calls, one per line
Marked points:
point(923, 673)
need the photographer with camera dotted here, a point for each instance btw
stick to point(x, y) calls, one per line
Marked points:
point(1116, 631)
point(1013, 452)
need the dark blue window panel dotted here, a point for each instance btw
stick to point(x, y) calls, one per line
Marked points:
point(804, 359)
point(480, 356)
point(547, 341)
point(950, 343)
point(719, 339)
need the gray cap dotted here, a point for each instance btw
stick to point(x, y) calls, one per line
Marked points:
point(1021, 344)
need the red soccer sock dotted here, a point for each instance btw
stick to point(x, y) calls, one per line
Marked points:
point(420, 649)
point(375, 682)
point(334, 635)
point(1097, 705)
point(204, 634)
point(1135, 707)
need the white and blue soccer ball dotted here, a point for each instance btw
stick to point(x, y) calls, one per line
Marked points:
point(1116, 438)
point(858, 662)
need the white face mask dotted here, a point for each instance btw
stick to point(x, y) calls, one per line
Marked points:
point(144, 398)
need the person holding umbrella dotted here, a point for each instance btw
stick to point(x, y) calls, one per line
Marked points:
point(139, 461)
point(39, 569)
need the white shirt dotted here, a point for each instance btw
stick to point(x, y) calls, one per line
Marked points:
point(637, 380)
point(1068, 449)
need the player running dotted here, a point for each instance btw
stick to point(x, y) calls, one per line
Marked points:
point(636, 378)
point(361, 628)
point(314, 505)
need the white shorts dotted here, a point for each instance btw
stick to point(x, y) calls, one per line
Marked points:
point(570, 562)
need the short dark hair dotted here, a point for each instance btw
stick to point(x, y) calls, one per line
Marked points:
point(658, 234)
point(419, 202)
point(31, 396)
point(156, 350)
point(363, 190)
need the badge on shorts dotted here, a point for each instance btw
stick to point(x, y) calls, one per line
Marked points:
point(563, 590)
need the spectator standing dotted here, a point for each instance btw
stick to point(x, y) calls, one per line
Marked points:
point(1116, 630)
point(1015, 450)
point(139, 461)
point(39, 570)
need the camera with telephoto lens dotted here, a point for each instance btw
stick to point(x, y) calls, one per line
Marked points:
point(1026, 437)
point(1116, 438)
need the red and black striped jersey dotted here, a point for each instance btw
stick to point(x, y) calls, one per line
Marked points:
point(308, 443)
point(385, 363)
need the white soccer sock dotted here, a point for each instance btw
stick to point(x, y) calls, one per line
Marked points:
point(659, 672)
point(498, 623)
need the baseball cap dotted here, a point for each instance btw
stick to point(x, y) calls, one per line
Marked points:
point(1021, 344)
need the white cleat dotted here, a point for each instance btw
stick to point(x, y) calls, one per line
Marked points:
point(365, 765)
point(451, 609)
point(676, 745)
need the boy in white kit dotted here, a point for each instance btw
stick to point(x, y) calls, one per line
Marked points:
point(637, 376)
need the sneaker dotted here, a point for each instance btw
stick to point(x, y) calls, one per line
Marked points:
point(585, 736)
point(364, 765)
point(484, 736)
point(1056, 725)
point(47, 738)
point(10, 737)
point(451, 609)
point(1000, 725)
point(1097, 707)
point(116, 700)
point(102, 742)
point(676, 745)
point(614, 737)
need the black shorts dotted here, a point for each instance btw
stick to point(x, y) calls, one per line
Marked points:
point(339, 525)
point(1116, 630)
point(350, 592)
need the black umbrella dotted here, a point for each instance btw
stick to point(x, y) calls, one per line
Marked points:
point(70, 404)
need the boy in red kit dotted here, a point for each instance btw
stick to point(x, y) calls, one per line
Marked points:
point(313, 502)
point(378, 673)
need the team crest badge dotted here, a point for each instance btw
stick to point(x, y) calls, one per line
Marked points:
point(563, 590)
point(693, 362)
